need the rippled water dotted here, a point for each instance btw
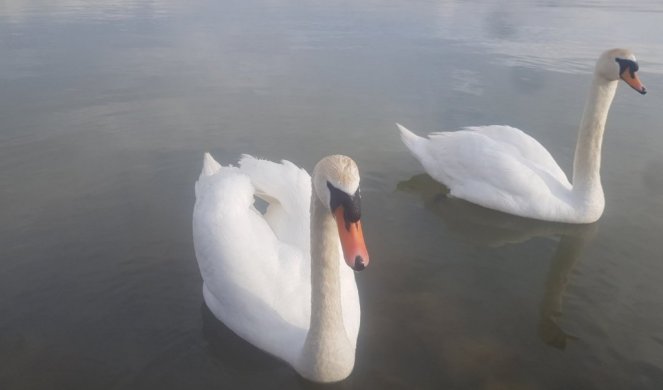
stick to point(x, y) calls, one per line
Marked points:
point(107, 106)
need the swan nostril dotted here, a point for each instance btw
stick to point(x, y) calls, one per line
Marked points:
point(359, 263)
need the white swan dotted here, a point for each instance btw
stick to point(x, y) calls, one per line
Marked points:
point(502, 168)
point(276, 279)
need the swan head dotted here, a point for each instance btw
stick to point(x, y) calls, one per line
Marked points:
point(336, 184)
point(618, 64)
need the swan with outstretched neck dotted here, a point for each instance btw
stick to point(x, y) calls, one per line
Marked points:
point(283, 279)
point(502, 168)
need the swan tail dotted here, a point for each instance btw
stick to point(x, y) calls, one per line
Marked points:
point(412, 141)
point(211, 173)
point(210, 166)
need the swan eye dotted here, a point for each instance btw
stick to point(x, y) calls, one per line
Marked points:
point(351, 203)
point(624, 64)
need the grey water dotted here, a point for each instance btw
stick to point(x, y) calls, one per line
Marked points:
point(106, 108)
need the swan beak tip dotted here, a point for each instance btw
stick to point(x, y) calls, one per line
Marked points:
point(634, 82)
point(359, 264)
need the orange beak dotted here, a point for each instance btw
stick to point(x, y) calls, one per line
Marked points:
point(632, 79)
point(352, 241)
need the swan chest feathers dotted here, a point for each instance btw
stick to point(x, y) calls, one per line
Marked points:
point(259, 272)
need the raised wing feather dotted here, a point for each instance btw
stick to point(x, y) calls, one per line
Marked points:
point(517, 143)
point(526, 146)
point(287, 189)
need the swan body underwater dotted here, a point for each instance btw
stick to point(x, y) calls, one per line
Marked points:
point(279, 279)
point(502, 168)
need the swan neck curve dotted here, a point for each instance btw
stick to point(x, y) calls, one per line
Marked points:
point(327, 354)
point(587, 160)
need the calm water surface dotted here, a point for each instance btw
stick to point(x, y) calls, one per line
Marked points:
point(107, 106)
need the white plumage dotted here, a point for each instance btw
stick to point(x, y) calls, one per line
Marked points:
point(256, 268)
point(498, 167)
point(502, 168)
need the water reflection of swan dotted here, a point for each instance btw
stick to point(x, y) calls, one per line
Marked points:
point(563, 261)
point(493, 228)
point(502, 168)
point(479, 224)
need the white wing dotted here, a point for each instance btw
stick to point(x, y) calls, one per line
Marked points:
point(287, 189)
point(255, 267)
point(499, 167)
point(255, 282)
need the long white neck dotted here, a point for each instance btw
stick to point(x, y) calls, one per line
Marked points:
point(327, 354)
point(587, 160)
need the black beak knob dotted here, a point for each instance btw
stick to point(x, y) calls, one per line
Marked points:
point(359, 264)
